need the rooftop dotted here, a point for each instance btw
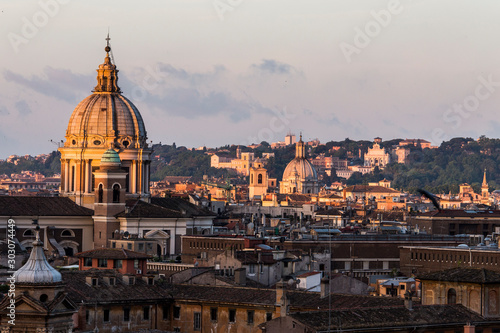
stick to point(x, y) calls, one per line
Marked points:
point(380, 317)
point(467, 275)
point(41, 206)
point(108, 253)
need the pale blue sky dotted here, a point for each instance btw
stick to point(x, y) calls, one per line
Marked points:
point(199, 80)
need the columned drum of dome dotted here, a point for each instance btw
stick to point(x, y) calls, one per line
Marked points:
point(300, 175)
point(104, 120)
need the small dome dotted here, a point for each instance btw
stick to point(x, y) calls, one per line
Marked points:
point(37, 269)
point(110, 158)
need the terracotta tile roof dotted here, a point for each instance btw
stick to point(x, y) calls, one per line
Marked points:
point(385, 317)
point(313, 301)
point(298, 300)
point(224, 294)
point(41, 206)
point(325, 212)
point(304, 275)
point(372, 189)
point(180, 205)
point(139, 208)
point(107, 253)
point(469, 275)
point(462, 213)
point(252, 257)
point(78, 290)
point(387, 215)
point(299, 197)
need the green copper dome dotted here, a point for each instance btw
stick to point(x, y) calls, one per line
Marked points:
point(110, 157)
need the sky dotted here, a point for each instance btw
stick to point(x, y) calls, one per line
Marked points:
point(217, 72)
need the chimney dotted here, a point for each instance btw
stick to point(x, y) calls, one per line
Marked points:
point(240, 276)
point(469, 328)
point(281, 300)
point(408, 301)
point(325, 287)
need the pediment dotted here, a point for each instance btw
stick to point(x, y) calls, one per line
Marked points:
point(160, 234)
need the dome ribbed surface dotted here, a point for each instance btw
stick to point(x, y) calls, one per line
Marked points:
point(37, 269)
point(110, 157)
point(106, 114)
point(303, 167)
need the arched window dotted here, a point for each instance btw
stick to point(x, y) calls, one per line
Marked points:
point(452, 296)
point(259, 179)
point(116, 193)
point(29, 233)
point(100, 194)
point(67, 233)
point(251, 179)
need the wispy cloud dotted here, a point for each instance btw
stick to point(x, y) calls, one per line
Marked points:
point(271, 66)
point(23, 108)
point(61, 84)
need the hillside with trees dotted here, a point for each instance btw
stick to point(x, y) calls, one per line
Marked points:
point(440, 170)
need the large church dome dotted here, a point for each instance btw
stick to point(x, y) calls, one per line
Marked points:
point(105, 122)
point(106, 119)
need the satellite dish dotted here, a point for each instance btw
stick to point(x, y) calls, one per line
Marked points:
point(126, 234)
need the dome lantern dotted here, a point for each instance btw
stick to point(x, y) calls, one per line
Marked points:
point(107, 74)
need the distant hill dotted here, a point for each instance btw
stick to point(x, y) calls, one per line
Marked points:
point(441, 170)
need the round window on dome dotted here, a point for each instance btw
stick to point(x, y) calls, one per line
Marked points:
point(126, 143)
point(73, 142)
point(97, 142)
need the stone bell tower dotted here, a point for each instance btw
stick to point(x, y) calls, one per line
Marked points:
point(109, 197)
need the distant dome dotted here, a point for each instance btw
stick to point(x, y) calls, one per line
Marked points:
point(110, 158)
point(299, 176)
point(37, 269)
point(302, 167)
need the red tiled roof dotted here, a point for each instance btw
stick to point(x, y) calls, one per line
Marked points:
point(41, 206)
point(107, 253)
point(462, 213)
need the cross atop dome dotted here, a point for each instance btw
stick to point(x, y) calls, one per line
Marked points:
point(107, 74)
